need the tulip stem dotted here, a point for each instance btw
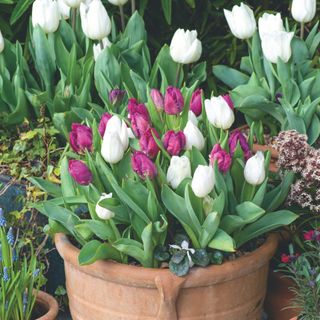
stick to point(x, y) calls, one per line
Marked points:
point(302, 30)
point(101, 45)
point(178, 74)
point(122, 17)
point(73, 18)
point(133, 6)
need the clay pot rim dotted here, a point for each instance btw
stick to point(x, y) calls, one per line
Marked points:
point(144, 277)
point(49, 303)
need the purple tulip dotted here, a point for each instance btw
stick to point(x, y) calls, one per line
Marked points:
point(196, 102)
point(103, 123)
point(80, 172)
point(222, 157)
point(148, 144)
point(157, 99)
point(143, 166)
point(229, 101)
point(235, 137)
point(173, 101)
point(139, 116)
point(174, 142)
point(80, 137)
point(116, 96)
point(278, 97)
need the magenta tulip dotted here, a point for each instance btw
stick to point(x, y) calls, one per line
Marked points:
point(103, 123)
point(143, 166)
point(80, 172)
point(80, 137)
point(174, 142)
point(116, 96)
point(173, 101)
point(139, 117)
point(222, 157)
point(148, 144)
point(157, 99)
point(228, 100)
point(237, 137)
point(196, 102)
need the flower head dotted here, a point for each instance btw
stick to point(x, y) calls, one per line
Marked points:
point(174, 142)
point(139, 117)
point(173, 101)
point(80, 172)
point(222, 157)
point(80, 137)
point(143, 166)
point(3, 221)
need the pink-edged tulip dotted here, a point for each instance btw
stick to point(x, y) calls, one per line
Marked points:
point(173, 101)
point(80, 137)
point(222, 157)
point(103, 123)
point(157, 99)
point(228, 100)
point(196, 102)
point(139, 117)
point(116, 96)
point(237, 137)
point(148, 144)
point(174, 142)
point(143, 166)
point(80, 172)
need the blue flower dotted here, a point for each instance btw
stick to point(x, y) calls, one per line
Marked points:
point(6, 276)
point(3, 221)
point(10, 236)
point(36, 272)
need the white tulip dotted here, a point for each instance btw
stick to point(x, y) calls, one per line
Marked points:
point(64, 10)
point(270, 23)
point(112, 149)
point(73, 3)
point(102, 212)
point(219, 113)
point(254, 171)
point(241, 21)
point(1, 42)
point(95, 21)
point(193, 118)
point(118, 2)
point(117, 125)
point(303, 10)
point(193, 136)
point(46, 14)
point(185, 48)
point(178, 170)
point(203, 181)
point(277, 46)
point(97, 49)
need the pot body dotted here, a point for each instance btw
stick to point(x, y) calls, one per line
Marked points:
point(279, 297)
point(48, 303)
point(113, 291)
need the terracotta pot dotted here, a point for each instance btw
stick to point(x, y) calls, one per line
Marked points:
point(279, 297)
point(48, 304)
point(109, 290)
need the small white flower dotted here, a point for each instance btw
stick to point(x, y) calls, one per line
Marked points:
point(1, 42)
point(178, 170)
point(254, 171)
point(185, 246)
point(193, 136)
point(118, 2)
point(193, 118)
point(304, 11)
point(102, 212)
point(97, 48)
point(203, 181)
point(270, 23)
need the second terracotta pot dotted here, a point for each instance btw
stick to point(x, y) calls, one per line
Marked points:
point(48, 306)
point(113, 291)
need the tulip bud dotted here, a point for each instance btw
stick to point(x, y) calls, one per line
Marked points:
point(193, 136)
point(80, 172)
point(235, 138)
point(116, 96)
point(173, 101)
point(139, 117)
point(241, 21)
point(95, 21)
point(203, 181)
point(196, 102)
point(115, 124)
point(80, 138)
point(1, 42)
point(303, 11)
point(185, 48)
point(97, 48)
point(270, 23)
point(222, 157)
point(192, 117)
point(148, 144)
point(73, 3)
point(112, 149)
point(102, 212)
point(46, 14)
point(254, 171)
point(143, 166)
point(178, 170)
point(64, 10)
point(118, 2)
point(219, 113)
point(228, 100)
point(173, 142)
point(277, 46)
point(103, 123)
point(157, 99)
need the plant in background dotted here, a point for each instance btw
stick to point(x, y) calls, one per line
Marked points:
point(304, 270)
point(20, 274)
